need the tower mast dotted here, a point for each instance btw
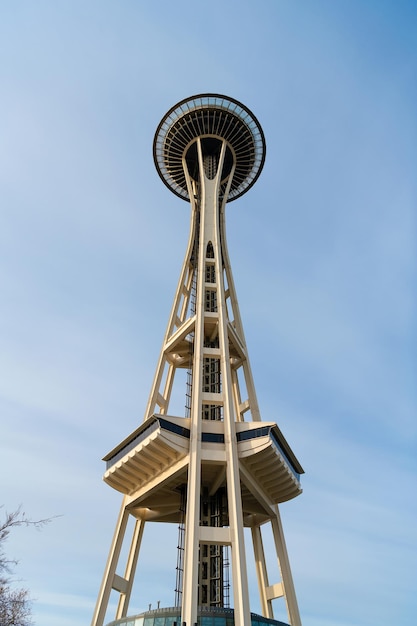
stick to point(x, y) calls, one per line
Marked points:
point(217, 468)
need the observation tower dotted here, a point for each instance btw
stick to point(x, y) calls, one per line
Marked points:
point(216, 468)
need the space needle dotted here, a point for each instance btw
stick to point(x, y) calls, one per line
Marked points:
point(214, 468)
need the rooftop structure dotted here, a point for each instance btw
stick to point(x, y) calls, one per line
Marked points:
point(206, 617)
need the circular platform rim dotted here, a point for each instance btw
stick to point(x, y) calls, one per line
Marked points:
point(209, 101)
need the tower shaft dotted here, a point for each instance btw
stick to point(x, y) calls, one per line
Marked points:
point(207, 394)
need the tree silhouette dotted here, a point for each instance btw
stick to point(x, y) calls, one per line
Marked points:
point(15, 604)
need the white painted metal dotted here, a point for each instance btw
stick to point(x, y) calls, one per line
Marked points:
point(129, 576)
point(110, 571)
point(284, 565)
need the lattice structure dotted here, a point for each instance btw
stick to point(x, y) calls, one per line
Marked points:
point(218, 468)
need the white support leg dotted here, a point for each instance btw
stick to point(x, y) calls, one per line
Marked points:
point(284, 565)
point(261, 571)
point(110, 570)
point(130, 570)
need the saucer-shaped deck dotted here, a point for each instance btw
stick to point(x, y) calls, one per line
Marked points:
point(211, 117)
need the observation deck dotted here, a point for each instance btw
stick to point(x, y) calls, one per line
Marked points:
point(151, 465)
point(211, 117)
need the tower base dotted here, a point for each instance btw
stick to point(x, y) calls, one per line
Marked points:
point(207, 616)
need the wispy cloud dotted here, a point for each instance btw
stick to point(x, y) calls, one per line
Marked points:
point(323, 251)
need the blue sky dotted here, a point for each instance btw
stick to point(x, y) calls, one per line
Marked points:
point(323, 254)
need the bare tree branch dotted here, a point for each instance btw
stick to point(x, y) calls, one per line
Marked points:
point(15, 604)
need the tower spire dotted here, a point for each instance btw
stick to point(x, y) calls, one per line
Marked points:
point(217, 468)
